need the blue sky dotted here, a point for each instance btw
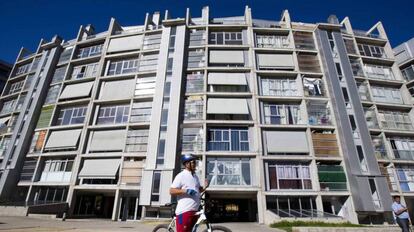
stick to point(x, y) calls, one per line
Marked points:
point(24, 23)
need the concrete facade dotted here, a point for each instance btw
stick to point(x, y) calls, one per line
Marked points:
point(289, 119)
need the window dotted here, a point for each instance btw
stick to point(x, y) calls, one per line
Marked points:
point(145, 86)
point(405, 177)
point(84, 71)
point(113, 114)
point(197, 37)
point(356, 67)
point(228, 139)
point(4, 144)
point(408, 73)
point(350, 46)
point(309, 63)
point(137, 140)
point(122, 67)
point(193, 108)
point(192, 139)
point(292, 207)
point(195, 83)
point(304, 40)
point(229, 171)
point(141, 112)
point(272, 41)
point(57, 171)
point(395, 120)
point(318, 113)
point(28, 169)
point(152, 41)
point(288, 176)
point(148, 62)
point(403, 148)
point(375, 195)
point(29, 80)
point(59, 75)
point(20, 102)
point(71, 115)
point(52, 94)
point(35, 63)
point(156, 184)
point(279, 87)
point(22, 69)
point(196, 58)
point(38, 140)
point(16, 87)
point(51, 194)
point(270, 61)
point(387, 95)
point(45, 116)
point(378, 72)
point(90, 51)
point(282, 114)
point(371, 50)
point(313, 87)
point(228, 38)
point(65, 55)
point(331, 177)
point(8, 106)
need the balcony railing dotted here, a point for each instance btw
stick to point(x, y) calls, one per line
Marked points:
point(403, 154)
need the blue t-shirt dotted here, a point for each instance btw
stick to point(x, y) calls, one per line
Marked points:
point(395, 207)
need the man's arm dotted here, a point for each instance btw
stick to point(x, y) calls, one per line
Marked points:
point(177, 191)
point(202, 189)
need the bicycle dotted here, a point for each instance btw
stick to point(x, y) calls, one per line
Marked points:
point(202, 219)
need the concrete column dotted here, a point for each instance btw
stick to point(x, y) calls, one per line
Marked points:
point(116, 205)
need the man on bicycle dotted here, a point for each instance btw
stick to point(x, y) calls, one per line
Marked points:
point(186, 187)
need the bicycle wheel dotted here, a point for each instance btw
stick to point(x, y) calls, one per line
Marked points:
point(218, 228)
point(162, 228)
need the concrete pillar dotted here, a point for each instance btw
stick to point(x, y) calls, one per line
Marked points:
point(116, 205)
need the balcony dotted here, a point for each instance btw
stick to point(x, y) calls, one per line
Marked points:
point(332, 178)
point(318, 114)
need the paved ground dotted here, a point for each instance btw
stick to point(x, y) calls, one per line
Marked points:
point(25, 224)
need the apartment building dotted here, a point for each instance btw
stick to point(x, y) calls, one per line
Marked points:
point(289, 119)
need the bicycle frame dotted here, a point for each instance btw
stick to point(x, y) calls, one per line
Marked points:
point(201, 218)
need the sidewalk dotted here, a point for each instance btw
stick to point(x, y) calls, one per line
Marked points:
point(26, 224)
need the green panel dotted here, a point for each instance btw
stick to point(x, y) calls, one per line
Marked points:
point(45, 116)
point(332, 177)
point(330, 168)
point(333, 186)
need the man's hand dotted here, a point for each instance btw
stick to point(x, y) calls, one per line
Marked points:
point(191, 192)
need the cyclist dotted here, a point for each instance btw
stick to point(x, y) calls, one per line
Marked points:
point(186, 187)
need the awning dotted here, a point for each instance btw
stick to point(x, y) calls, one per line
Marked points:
point(77, 90)
point(227, 106)
point(113, 140)
point(227, 79)
point(66, 139)
point(283, 61)
point(114, 90)
point(227, 56)
point(100, 168)
point(286, 142)
point(125, 43)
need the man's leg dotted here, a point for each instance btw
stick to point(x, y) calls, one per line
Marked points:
point(403, 223)
point(184, 222)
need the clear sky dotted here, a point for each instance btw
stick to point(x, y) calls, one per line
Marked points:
point(24, 23)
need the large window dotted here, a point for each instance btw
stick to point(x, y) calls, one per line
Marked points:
point(197, 37)
point(279, 87)
point(8, 106)
point(395, 120)
point(281, 114)
point(196, 58)
point(195, 83)
point(228, 139)
point(403, 148)
point(137, 140)
point(122, 67)
point(59, 75)
point(192, 139)
point(309, 63)
point(113, 114)
point(193, 108)
point(379, 72)
point(52, 94)
point(371, 50)
point(229, 171)
point(152, 41)
point(331, 177)
point(148, 62)
point(16, 87)
point(313, 87)
point(272, 41)
point(141, 112)
point(318, 113)
point(228, 38)
point(90, 51)
point(288, 176)
point(22, 69)
point(71, 115)
point(145, 86)
point(405, 177)
point(57, 171)
point(292, 206)
point(84, 71)
point(65, 55)
point(304, 40)
point(387, 95)
point(408, 73)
